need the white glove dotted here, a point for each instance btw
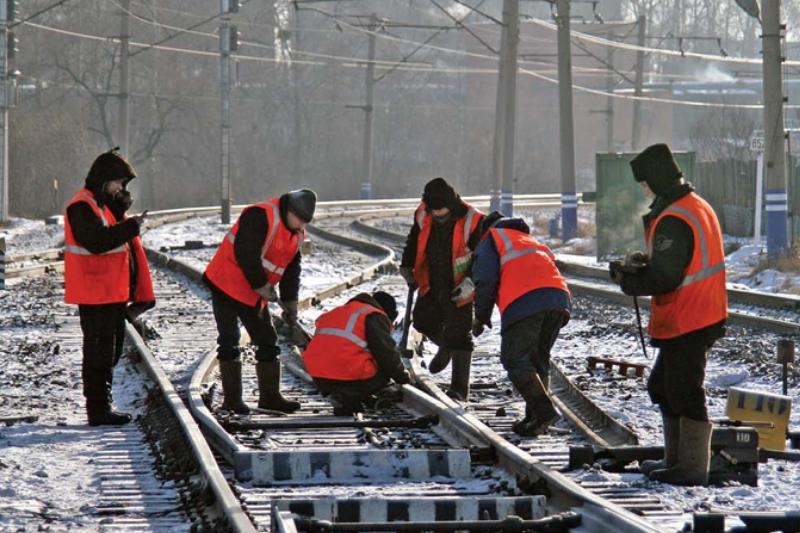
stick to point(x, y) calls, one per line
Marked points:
point(463, 291)
point(268, 293)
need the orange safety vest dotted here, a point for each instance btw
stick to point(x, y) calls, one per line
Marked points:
point(338, 349)
point(462, 255)
point(103, 278)
point(525, 265)
point(701, 299)
point(279, 248)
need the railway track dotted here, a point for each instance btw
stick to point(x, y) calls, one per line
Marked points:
point(515, 467)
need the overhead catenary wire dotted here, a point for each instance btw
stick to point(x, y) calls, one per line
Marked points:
point(412, 68)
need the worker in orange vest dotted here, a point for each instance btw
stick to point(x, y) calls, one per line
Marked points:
point(684, 270)
point(519, 274)
point(259, 253)
point(106, 274)
point(437, 259)
point(352, 354)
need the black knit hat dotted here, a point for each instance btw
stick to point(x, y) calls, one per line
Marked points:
point(109, 166)
point(657, 167)
point(302, 203)
point(438, 194)
point(387, 303)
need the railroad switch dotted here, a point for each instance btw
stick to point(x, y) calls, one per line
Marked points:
point(734, 456)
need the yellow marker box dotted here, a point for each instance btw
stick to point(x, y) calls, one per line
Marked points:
point(758, 406)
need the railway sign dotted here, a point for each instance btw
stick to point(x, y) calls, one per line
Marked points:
point(757, 143)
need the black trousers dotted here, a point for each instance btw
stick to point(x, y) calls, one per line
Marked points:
point(526, 344)
point(228, 312)
point(676, 380)
point(103, 328)
point(434, 314)
point(353, 392)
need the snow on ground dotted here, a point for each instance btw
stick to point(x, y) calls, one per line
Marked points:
point(46, 472)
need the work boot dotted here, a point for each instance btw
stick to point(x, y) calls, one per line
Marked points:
point(443, 355)
point(539, 409)
point(101, 413)
point(694, 454)
point(672, 430)
point(269, 388)
point(459, 378)
point(231, 375)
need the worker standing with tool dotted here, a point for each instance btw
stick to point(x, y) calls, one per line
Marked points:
point(260, 252)
point(437, 258)
point(684, 271)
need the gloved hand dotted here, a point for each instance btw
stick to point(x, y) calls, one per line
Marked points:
point(463, 291)
point(615, 270)
point(477, 327)
point(289, 314)
point(268, 293)
point(403, 378)
point(408, 274)
point(140, 218)
point(637, 260)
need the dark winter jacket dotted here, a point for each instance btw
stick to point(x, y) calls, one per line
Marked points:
point(439, 250)
point(253, 228)
point(673, 247)
point(486, 275)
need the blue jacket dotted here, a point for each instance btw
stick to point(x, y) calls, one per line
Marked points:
point(486, 275)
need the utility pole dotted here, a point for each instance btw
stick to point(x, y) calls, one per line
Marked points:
point(569, 197)
point(637, 91)
point(366, 156)
point(774, 134)
point(124, 79)
point(610, 99)
point(4, 104)
point(225, 110)
point(505, 111)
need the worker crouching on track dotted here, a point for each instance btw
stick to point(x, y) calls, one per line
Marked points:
point(684, 271)
point(352, 354)
point(260, 252)
point(437, 258)
point(517, 272)
point(105, 269)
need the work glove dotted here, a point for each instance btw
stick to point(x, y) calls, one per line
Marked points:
point(289, 314)
point(403, 378)
point(464, 291)
point(477, 327)
point(408, 274)
point(140, 218)
point(637, 261)
point(268, 293)
point(615, 271)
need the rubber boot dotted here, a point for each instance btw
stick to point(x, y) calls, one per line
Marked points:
point(231, 375)
point(459, 378)
point(100, 412)
point(443, 355)
point(269, 388)
point(694, 454)
point(672, 430)
point(539, 409)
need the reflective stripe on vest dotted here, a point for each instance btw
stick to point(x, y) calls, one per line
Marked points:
point(701, 299)
point(461, 254)
point(95, 278)
point(525, 266)
point(338, 350)
point(347, 332)
point(278, 249)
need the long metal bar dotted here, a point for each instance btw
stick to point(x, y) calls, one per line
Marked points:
point(336, 422)
point(560, 522)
